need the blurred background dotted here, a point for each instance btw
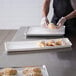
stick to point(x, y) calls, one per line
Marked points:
point(17, 13)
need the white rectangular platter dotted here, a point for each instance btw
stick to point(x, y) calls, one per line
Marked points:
point(20, 70)
point(40, 31)
point(23, 46)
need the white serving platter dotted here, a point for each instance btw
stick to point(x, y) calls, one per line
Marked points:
point(24, 46)
point(41, 31)
point(20, 70)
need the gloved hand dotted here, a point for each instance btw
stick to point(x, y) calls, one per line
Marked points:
point(44, 22)
point(61, 22)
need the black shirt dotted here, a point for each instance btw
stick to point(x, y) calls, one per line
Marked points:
point(61, 9)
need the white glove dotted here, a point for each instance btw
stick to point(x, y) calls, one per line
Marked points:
point(44, 22)
point(61, 22)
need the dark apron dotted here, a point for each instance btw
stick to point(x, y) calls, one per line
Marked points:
point(63, 8)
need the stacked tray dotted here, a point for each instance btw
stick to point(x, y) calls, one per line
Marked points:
point(40, 31)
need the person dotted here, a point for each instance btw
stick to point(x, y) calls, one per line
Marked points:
point(64, 14)
point(64, 19)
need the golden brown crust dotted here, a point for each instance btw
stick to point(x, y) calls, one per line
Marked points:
point(50, 43)
point(1, 73)
point(26, 70)
point(36, 69)
point(10, 71)
point(41, 43)
point(33, 74)
point(32, 71)
point(51, 26)
point(58, 42)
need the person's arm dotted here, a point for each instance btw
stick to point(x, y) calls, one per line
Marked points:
point(45, 8)
point(71, 15)
point(45, 11)
point(67, 17)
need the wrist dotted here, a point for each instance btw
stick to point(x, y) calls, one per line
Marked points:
point(44, 18)
point(66, 18)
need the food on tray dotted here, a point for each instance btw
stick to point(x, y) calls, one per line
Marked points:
point(26, 70)
point(33, 74)
point(9, 71)
point(32, 71)
point(36, 69)
point(50, 43)
point(41, 43)
point(51, 26)
point(57, 42)
point(1, 73)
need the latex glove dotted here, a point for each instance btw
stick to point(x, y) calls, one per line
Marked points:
point(44, 22)
point(61, 22)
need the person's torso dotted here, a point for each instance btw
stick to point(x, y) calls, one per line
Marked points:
point(62, 7)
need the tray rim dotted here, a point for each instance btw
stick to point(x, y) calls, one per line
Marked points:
point(38, 48)
point(42, 67)
point(26, 33)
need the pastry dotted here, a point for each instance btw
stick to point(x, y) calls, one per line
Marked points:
point(9, 71)
point(27, 70)
point(41, 43)
point(59, 42)
point(36, 69)
point(50, 43)
point(32, 71)
point(51, 26)
point(1, 73)
point(33, 74)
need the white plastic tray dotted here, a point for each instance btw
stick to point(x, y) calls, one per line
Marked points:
point(23, 46)
point(40, 31)
point(43, 70)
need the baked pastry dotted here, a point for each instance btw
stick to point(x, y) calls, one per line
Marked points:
point(36, 69)
point(1, 73)
point(27, 70)
point(41, 43)
point(50, 43)
point(9, 71)
point(33, 74)
point(51, 26)
point(32, 71)
point(59, 42)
